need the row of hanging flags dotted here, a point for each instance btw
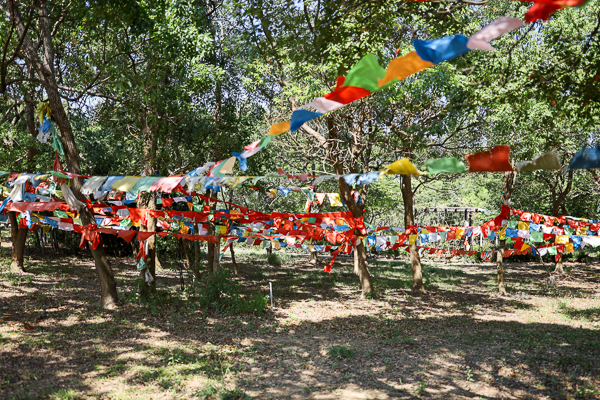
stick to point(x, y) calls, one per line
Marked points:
point(128, 188)
point(320, 232)
point(364, 79)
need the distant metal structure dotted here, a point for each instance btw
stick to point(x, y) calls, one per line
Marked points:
point(437, 213)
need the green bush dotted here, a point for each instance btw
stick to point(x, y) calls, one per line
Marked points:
point(273, 259)
point(222, 293)
point(340, 351)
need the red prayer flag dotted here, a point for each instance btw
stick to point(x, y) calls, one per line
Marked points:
point(346, 94)
point(494, 160)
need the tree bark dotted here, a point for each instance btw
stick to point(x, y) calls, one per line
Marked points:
point(509, 183)
point(44, 68)
point(409, 220)
point(211, 245)
point(235, 271)
point(18, 239)
point(150, 289)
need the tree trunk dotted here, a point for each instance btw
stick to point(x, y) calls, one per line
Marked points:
point(314, 260)
point(44, 68)
point(216, 255)
point(18, 239)
point(509, 183)
point(150, 289)
point(235, 271)
point(500, 269)
point(211, 245)
point(197, 257)
point(148, 201)
point(409, 219)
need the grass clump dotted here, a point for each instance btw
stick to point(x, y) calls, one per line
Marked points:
point(221, 292)
point(274, 260)
point(340, 352)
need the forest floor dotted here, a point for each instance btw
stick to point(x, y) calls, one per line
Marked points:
point(321, 341)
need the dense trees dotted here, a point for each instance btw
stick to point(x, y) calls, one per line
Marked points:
point(161, 87)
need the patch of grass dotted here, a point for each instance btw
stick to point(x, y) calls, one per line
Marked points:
point(589, 314)
point(339, 352)
point(64, 394)
point(274, 259)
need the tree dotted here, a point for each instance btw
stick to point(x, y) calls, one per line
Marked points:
point(44, 66)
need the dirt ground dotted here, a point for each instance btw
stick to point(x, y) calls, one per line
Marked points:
point(321, 341)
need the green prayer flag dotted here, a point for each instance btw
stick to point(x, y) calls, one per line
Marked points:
point(59, 174)
point(365, 74)
point(197, 207)
point(56, 143)
point(513, 224)
point(143, 185)
point(265, 141)
point(60, 214)
point(552, 251)
point(537, 237)
point(125, 222)
point(142, 264)
point(446, 164)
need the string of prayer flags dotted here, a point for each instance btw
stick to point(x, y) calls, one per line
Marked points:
point(548, 161)
point(494, 160)
point(494, 30)
point(586, 158)
point(403, 167)
point(445, 165)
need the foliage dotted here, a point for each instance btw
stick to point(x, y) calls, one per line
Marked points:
point(339, 352)
point(220, 292)
point(274, 259)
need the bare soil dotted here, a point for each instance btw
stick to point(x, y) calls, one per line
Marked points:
point(321, 340)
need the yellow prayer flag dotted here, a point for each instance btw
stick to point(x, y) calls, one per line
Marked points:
point(523, 226)
point(569, 248)
point(402, 67)
point(279, 128)
point(502, 233)
point(334, 199)
point(561, 239)
point(126, 184)
point(403, 167)
point(412, 239)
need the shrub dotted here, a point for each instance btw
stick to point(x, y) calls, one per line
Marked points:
point(220, 292)
point(340, 351)
point(273, 259)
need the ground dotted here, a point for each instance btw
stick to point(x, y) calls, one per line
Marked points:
point(321, 341)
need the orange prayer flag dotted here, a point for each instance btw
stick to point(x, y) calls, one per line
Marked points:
point(279, 128)
point(402, 67)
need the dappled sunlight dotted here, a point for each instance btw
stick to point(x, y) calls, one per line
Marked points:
point(460, 340)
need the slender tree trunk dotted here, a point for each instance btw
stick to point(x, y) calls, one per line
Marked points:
point(150, 289)
point(44, 67)
point(235, 271)
point(18, 239)
point(409, 219)
point(500, 269)
point(216, 255)
point(314, 260)
point(211, 245)
point(509, 183)
point(148, 201)
point(197, 257)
